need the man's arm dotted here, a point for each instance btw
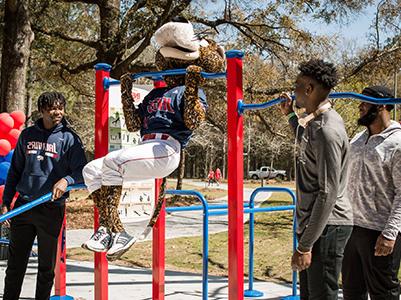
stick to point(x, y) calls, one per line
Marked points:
point(286, 109)
point(328, 157)
point(14, 173)
point(76, 161)
point(393, 224)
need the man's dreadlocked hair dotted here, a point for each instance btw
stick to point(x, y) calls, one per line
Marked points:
point(323, 72)
point(48, 99)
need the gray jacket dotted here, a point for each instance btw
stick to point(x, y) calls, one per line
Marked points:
point(322, 168)
point(375, 180)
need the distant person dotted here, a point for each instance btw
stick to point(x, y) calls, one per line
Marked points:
point(373, 252)
point(49, 156)
point(210, 177)
point(217, 176)
point(323, 210)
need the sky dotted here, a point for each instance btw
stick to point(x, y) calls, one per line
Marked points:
point(356, 30)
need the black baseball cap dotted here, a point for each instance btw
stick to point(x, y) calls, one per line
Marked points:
point(378, 91)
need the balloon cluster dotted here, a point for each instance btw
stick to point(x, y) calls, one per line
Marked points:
point(10, 129)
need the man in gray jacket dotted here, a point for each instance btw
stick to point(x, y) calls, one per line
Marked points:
point(372, 255)
point(324, 216)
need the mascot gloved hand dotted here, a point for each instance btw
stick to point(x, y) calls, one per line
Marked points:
point(166, 119)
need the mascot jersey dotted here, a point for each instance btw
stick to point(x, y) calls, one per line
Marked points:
point(162, 112)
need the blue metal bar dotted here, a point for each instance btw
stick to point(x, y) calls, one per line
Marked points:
point(176, 72)
point(250, 292)
point(158, 75)
point(205, 245)
point(199, 207)
point(379, 101)
point(32, 204)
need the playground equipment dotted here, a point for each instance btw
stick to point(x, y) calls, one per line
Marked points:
point(235, 110)
point(235, 207)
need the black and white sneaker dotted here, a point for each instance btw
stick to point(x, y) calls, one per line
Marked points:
point(122, 241)
point(100, 241)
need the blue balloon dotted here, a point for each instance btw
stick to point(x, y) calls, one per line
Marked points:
point(2, 158)
point(9, 156)
point(2, 181)
point(4, 166)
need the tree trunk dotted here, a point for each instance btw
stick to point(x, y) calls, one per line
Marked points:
point(181, 170)
point(18, 37)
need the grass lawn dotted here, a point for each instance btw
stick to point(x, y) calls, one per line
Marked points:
point(273, 248)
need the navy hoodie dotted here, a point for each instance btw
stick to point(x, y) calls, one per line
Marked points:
point(41, 158)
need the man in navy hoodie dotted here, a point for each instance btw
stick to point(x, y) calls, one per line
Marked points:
point(48, 157)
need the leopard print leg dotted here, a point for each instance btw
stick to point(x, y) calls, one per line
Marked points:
point(99, 200)
point(159, 203)
point(194, 111)
point(112, 198)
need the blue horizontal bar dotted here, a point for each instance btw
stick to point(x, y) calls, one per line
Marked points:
point(341, 95)
point(255, 210)
point(32, 204)
point(107, 82)
point(176, 72)
point(269, 209)
point(199, 207)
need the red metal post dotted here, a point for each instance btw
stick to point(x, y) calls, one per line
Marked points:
point(235, 173)
point(61, 264)
point(158, 239)
point(101, 149)
point(158, 250)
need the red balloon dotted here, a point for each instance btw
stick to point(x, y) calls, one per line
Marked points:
point(1, 193)
point(6, 122)
point(13, 136)
point(19, 118)
point(5, 147)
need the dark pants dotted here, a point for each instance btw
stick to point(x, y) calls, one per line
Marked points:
point(320, 280)
point(364, 273)
point(43, 221)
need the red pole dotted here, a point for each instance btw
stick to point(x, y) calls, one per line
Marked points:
point(235, 173)
point(61, 265)
point(158, 250)
point(158, 240)
point(101, 149)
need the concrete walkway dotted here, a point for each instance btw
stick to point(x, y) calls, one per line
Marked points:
point(136, 284)
point(178, 224)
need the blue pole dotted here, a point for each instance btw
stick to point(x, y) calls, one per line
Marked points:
point(250, 292)
point(205, 246)
point(32, 204)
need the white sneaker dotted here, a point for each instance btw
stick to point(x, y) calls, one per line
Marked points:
point(122, 241)
point(100, 241)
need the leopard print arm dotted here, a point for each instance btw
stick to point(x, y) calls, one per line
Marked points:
point(131, 114)
point(194, 111)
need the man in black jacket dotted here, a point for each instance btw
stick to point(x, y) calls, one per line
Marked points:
point(48, 157)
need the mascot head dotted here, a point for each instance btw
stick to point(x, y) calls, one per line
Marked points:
point(180, 48)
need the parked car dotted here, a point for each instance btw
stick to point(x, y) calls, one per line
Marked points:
point(267, 172)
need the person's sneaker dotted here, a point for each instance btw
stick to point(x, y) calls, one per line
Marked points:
point(100, 241)
point(122, 241)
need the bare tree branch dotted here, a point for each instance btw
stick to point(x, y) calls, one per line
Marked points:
point(81, 68)
point(93, 44)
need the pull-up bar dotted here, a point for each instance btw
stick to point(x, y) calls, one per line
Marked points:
point(379, 101)
point(158, 75)
point(32, 204)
